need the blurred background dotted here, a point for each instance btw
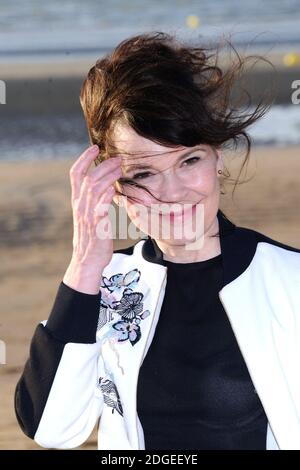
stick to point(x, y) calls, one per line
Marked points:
point(46, 50)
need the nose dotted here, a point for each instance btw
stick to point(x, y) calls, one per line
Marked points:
point(172, 188)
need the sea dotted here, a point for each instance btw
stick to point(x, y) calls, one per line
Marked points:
point(36, 30)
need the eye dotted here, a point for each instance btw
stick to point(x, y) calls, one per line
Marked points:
point(191, 161)
point(143, 175)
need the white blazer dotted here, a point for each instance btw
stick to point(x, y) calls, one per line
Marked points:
point(260, 295)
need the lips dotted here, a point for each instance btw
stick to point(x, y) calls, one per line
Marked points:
point(173, 214)
point(183, 213)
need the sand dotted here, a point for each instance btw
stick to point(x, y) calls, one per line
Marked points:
point(36, 245)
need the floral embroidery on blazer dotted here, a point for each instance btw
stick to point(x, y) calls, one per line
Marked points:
point(119, 300)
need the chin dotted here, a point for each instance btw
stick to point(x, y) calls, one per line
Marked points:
point(183, 240)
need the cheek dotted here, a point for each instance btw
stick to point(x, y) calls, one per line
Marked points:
point(131, 192)
point(137, 210)
point(207, 183)
point(138, 215)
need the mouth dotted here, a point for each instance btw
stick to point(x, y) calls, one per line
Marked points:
point(187, 211)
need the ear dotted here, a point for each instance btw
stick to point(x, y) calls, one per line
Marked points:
point(220, 160)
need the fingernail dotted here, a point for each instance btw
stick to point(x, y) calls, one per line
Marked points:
point(94, 148)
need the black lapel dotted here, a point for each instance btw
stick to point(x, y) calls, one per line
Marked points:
point(238, 247)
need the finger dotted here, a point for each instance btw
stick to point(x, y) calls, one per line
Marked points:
point(80, 168)
point(91, 191)
point(106, 173)
point(99, 205)
point(82, 164)
point(107, 166)
point(102, 206)
point(79, 173)
point(98, 186)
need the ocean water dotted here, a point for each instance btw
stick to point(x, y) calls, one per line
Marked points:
point(37, 29)
point(60, 26)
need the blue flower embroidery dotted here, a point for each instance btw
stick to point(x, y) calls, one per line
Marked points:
point(118, 281)
point(127, 331)
point(129, 307)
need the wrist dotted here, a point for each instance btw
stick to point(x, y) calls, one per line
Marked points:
point(83, 278)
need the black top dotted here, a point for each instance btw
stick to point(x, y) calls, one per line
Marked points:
point(194, 389)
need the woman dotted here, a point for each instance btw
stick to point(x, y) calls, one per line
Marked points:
point(185, 341)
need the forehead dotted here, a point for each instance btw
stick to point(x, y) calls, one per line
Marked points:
point(136, 149)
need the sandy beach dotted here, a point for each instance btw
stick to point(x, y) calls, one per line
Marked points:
point(36, 242)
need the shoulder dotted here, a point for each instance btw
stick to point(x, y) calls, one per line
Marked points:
point(258, 237)
point(271, 255)
point(260, 263)
point(243, 246)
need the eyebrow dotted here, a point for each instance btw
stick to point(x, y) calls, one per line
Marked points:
point(149, 167)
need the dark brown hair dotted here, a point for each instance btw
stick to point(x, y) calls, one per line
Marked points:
point(169, 92)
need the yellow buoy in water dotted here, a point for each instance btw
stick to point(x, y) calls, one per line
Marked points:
point(192, 21)
point(291, 59)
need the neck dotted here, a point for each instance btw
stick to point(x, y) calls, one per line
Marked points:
point(179, 254)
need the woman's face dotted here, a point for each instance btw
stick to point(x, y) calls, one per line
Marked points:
point(185, 180)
